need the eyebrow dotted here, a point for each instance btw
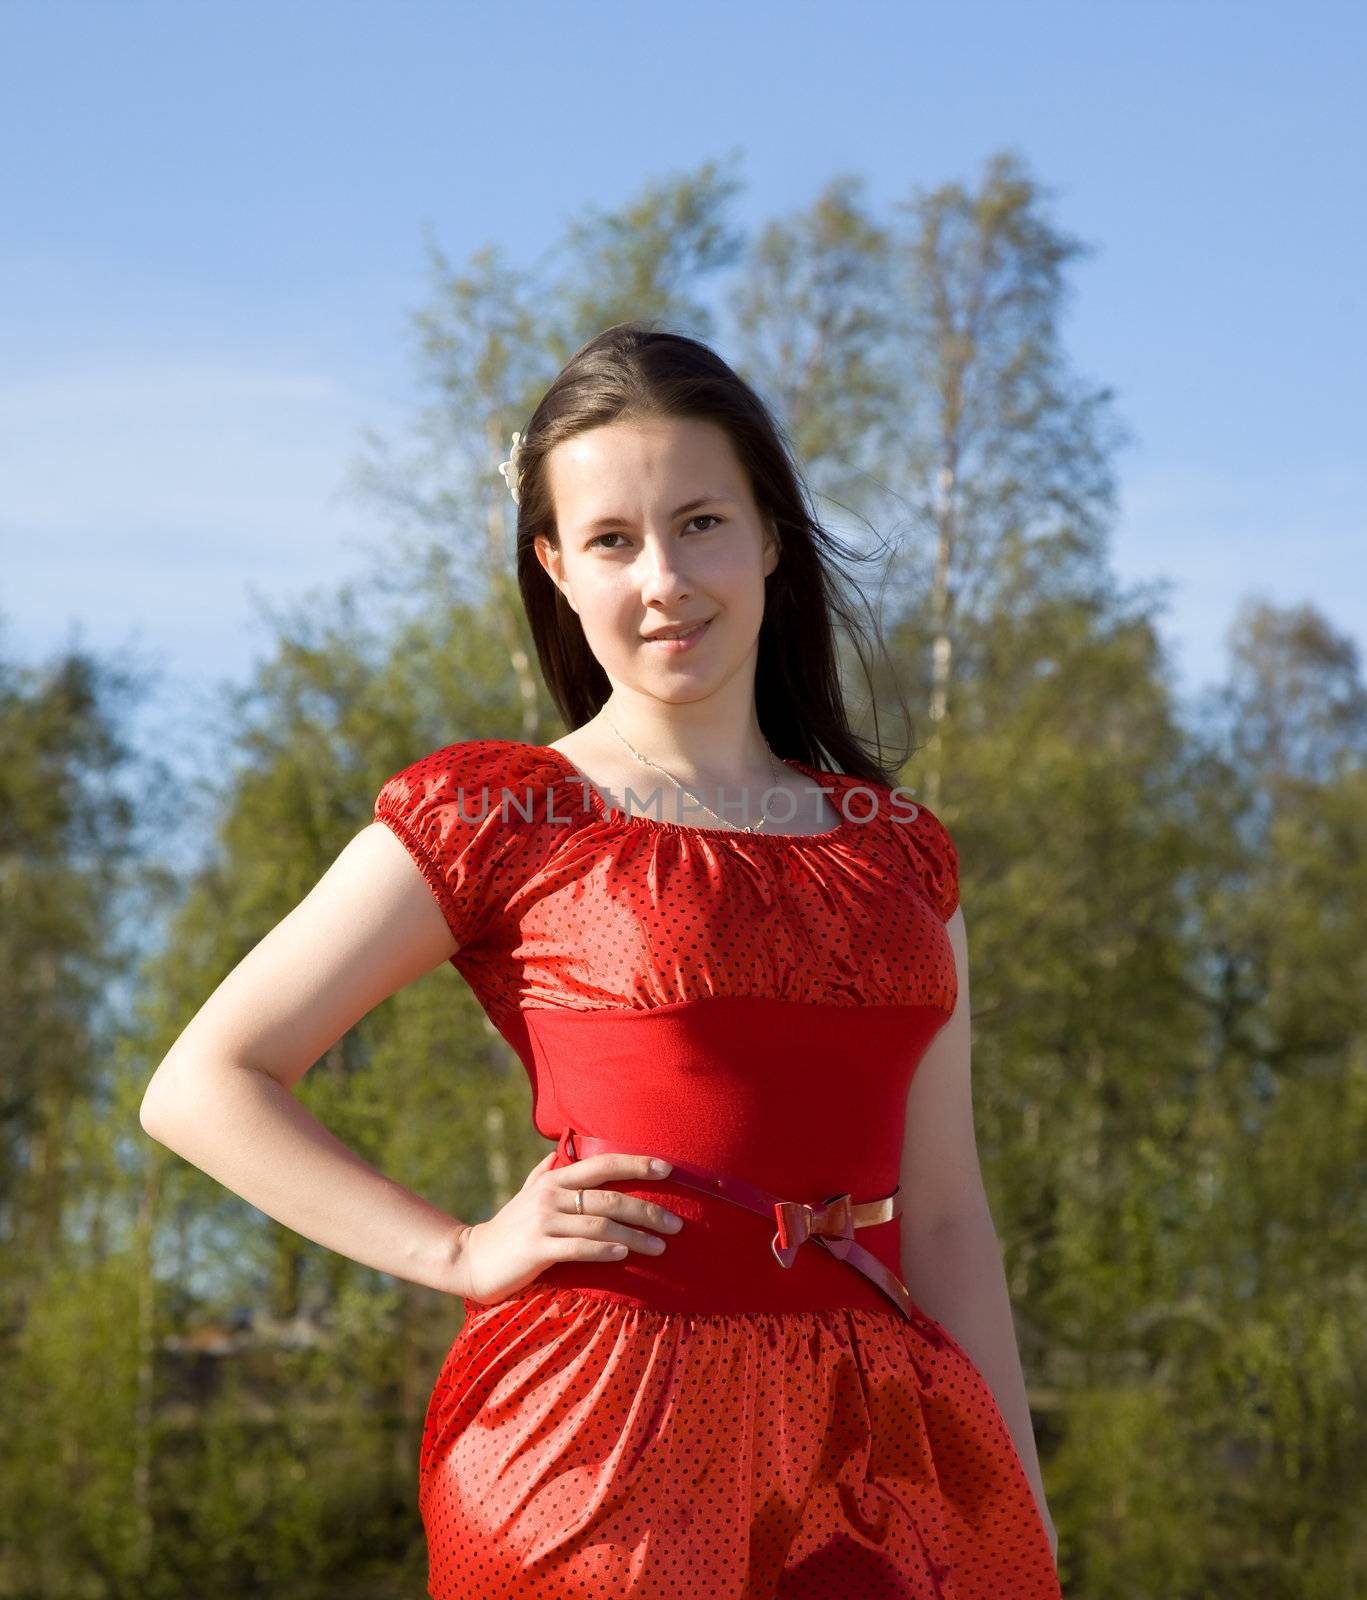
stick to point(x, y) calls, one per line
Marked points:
point(688, 505)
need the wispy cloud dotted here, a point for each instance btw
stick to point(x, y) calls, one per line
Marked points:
point(167, 455)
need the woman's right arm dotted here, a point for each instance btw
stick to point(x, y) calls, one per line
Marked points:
point(223, 1096)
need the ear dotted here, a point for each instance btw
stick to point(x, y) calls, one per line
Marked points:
point(550, 558)
point(771, 546)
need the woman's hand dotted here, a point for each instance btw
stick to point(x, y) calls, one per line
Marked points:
point(541, 1225)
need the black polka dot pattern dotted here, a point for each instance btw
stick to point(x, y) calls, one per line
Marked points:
point(555, 903)
point(577, 1444)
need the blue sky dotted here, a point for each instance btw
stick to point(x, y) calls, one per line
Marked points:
point(213, 237)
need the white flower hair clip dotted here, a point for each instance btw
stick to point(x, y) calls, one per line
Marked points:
point(509, 469)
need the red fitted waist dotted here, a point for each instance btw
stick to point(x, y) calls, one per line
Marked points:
point(802, 1101)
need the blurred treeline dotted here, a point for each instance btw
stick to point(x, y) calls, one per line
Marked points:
point(1165, 907)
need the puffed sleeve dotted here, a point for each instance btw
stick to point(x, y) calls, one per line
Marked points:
point(934, 859)
point(467, 814)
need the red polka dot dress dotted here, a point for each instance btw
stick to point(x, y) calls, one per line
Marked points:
point(752, 1414)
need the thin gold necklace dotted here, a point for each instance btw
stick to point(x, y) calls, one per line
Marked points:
point(751, 827)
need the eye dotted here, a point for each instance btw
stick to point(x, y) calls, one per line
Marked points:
point(703, 516)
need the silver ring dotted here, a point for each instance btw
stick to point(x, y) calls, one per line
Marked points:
point(579, 1201)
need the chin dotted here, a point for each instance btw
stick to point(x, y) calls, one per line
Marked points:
point(670, 694)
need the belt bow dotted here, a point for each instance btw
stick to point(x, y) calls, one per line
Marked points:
point(798, 1222)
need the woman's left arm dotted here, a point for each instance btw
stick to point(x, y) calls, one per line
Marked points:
point(951, 1255)
point(955, 1275)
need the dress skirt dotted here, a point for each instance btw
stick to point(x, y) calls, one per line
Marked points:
point(576, 1445)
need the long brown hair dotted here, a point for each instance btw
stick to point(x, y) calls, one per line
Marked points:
point(634, 371)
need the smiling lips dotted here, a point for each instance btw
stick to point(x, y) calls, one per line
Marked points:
point(680, 638)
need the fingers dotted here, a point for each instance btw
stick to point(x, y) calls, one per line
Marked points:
point(611, 1167)
point(603, 1232)
point(610, 1214)
point(542, 1167)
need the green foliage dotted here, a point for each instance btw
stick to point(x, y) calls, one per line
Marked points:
point(1164, 906)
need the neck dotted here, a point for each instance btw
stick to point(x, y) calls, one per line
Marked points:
point(688, 740)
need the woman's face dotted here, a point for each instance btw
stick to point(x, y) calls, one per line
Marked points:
point(658, 527)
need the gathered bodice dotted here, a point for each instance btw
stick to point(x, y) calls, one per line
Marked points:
point(750, 1002)
point(555, 901)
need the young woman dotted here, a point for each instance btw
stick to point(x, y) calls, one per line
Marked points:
point(719, 937)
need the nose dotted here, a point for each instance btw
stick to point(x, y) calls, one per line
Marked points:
point(663, 578)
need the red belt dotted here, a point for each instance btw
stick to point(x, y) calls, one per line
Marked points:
point(831, 1224)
